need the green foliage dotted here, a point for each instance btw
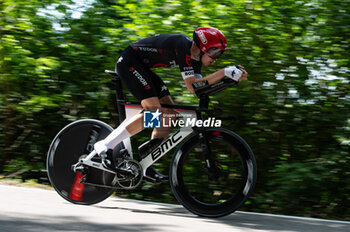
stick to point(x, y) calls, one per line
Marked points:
point(293, 111)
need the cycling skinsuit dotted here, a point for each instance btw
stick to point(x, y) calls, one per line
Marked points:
point(164, 50)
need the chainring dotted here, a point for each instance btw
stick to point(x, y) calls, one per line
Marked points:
point(129, 183)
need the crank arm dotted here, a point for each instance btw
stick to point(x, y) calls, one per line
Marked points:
point(88, 162)
point(96, 165)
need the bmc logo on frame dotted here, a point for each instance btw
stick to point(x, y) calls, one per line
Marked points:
point(151, 119)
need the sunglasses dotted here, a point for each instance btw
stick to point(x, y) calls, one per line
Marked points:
point(214, 53)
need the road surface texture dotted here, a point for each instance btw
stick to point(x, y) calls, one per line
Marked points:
point(38, 210)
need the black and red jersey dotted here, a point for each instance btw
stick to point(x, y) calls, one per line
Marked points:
point(168, 50)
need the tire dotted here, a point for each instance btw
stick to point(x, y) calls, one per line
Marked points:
point(69, 145)
point(206, 195)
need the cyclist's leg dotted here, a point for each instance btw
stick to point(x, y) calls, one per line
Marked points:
point(151, 103)
point(128, 128)
point(137, 79)
point(168, 115)
point(158, 134)
point(164, 97)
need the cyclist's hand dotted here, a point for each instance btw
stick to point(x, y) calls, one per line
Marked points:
point(236, 73)
point(244, 73)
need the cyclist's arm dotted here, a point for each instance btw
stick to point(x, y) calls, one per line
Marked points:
point(212, 79)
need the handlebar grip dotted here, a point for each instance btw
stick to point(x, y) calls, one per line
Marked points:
point(203, 88)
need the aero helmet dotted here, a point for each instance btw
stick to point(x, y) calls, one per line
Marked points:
point(210, 40)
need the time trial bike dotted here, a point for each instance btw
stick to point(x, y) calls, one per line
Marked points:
point(212, 173)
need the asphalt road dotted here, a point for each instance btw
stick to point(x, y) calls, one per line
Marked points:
point(37, 210)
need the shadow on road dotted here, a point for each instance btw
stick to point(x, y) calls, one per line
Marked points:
point(239, 219)
point(24, 223)
point(268, 223)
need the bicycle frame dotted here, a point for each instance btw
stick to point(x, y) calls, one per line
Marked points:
point(131, 109)
point(172, 141)
point(128, 109)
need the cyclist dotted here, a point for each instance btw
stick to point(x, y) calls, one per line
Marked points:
point(164, 50)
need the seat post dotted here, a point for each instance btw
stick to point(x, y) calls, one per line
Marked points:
point(120, 100)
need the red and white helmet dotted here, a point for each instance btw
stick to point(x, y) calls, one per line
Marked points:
point(210, 40)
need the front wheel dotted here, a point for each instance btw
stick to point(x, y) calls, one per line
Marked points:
point(207, 193)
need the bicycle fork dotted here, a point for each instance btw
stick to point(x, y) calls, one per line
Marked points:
point(210, 164)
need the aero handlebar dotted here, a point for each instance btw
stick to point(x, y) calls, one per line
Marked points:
point(202, 88)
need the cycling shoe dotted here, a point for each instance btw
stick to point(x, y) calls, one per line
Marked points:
point(153, 176)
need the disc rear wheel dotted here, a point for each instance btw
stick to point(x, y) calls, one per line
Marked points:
point(72, 143)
